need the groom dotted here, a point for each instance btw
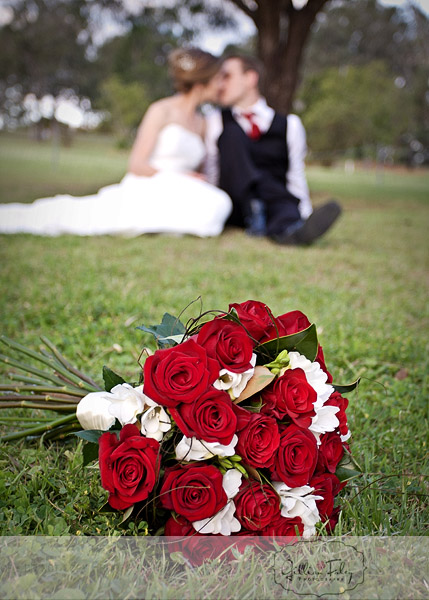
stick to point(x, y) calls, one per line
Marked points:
point(257, 156)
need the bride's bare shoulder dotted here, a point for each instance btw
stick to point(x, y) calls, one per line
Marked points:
point(157, 114)
point(162, 107)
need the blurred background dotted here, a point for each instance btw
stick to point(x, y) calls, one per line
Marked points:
point(356, 71)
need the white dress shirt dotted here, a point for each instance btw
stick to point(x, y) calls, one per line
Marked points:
point(296, 182)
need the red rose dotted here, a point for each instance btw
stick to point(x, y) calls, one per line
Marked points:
point(199, 548)
point(331, 451)
point(258, 438)
point(327, 485)
point(228, 343)
point(210, 417)
point(255, 316)
point(179, 374)
point(335, 399)
point(178, 526)
point(195, 547)
point(281, 527)
point(129, 467)
point(286, 324)
point(296, 458)
point(333, 520)
point(321, 360)
point(193, 491)
point(256, 505)
point(291, 395)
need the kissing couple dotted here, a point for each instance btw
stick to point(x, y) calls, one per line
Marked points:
point(193, 170)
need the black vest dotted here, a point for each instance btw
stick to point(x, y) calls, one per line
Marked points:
point(269, 153)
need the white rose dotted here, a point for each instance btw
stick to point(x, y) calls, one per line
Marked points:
point(98, 410)
point(93, 411)
point(127, 403)
point(189, 449)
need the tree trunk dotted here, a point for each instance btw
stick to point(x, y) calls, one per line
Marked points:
point(282, 34)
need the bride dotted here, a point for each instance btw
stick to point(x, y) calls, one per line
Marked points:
point(163, 190)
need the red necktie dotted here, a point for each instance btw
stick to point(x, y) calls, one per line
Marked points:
point(255, 132)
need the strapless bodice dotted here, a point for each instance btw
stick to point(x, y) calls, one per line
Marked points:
point(177, 149)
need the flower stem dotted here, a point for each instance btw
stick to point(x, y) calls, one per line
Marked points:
point(48, 406)
point(67, 365)
point(39, 429)
point(10, 387)
point(56, 365)
point(63, 399)
point(30, 369)
point(24, 419)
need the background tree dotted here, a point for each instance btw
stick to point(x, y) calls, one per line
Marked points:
point(283, 28)
point(372, 110)
point(132, 73)
point(47, 48)
point(353, 42)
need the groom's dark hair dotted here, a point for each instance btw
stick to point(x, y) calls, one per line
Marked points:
point(250, 63)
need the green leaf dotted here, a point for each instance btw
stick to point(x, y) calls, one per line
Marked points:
point(127, 513)
point(90, 435)
point(347, 467)
point(168, 333)
point(345, 389)
point(166, 341)
point(344, 474)
point(90, 453)
point(111, 379)
point(305, 342)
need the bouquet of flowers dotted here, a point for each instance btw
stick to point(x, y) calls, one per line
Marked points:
point(235, 428)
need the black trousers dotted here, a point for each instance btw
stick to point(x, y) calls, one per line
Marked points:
point(243, 181)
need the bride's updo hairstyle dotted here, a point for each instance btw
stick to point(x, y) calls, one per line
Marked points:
point(188, 67)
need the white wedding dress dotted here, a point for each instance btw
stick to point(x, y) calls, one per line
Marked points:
point(168, 202)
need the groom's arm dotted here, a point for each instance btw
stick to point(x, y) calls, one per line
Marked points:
point(295, 176)
point(213, 132)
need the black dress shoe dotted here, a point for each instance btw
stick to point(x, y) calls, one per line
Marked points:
point(320, 220)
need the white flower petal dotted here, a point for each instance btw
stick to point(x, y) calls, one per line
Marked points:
point(93, 411)
point(193, 449)
point(347, 436)
point(231, 482)
point(236, 382)
point(222, 522)
point(315, 376)
point(155, 422)
point(324, 420)
point(308, 532)
point(127, 403)
point(298, 502)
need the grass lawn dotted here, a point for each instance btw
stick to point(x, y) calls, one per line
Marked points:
point(364, 285)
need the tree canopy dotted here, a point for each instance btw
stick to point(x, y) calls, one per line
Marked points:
point(368, 54)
